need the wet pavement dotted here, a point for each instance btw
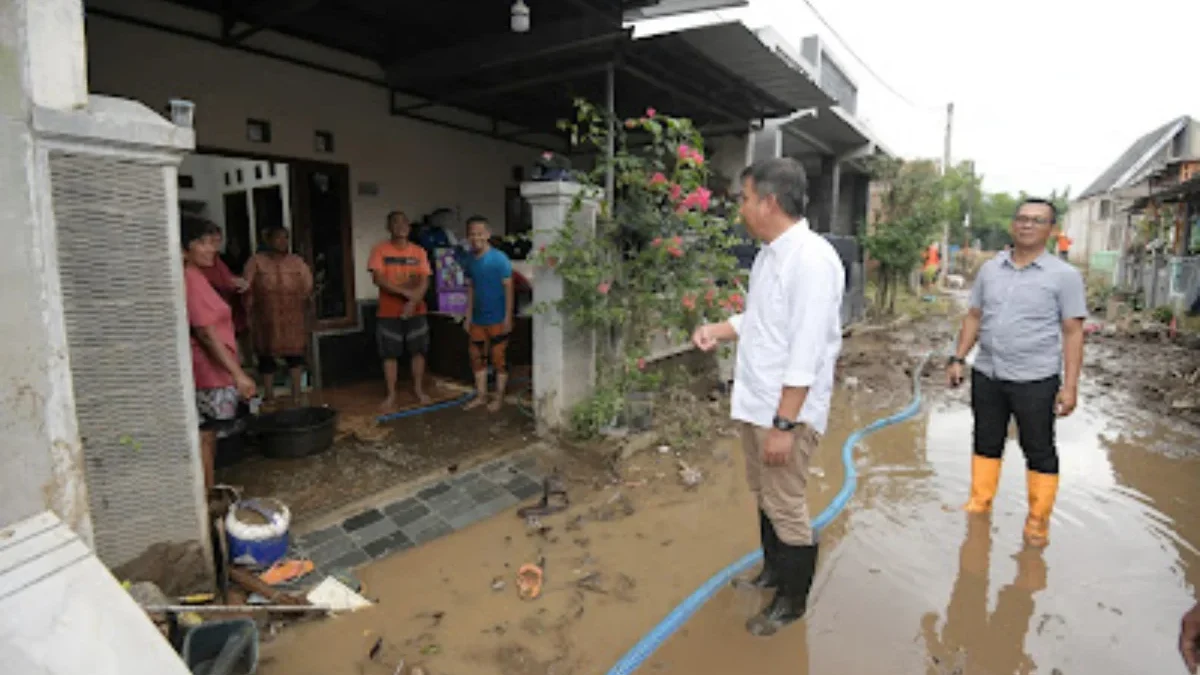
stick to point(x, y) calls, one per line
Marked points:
point(909, 584)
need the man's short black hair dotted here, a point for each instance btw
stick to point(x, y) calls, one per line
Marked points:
point(478, 219)
point(193, 228)
point(784, 178)
point(392, 215)
point(1043, 202)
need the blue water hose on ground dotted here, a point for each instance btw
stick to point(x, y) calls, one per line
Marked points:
point(413, 412)
point(461, 400)
point(678, 616)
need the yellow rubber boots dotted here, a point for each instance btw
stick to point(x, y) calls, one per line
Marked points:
point(1043, 489)
point(985, 477)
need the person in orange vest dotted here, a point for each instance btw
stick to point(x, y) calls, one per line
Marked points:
point(932, 264)
point(1064, 244)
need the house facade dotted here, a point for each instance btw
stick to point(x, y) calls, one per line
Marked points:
point(1100, 214)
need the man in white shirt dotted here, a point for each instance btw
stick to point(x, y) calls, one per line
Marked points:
point(788, 343)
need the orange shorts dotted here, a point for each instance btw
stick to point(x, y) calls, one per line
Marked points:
point(488, 342)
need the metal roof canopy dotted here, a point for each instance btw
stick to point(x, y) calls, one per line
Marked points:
point(456, 63)
point(713, 75)
point(831, 131)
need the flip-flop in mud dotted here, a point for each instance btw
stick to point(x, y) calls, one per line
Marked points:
point(547, 504)
point(529, 581)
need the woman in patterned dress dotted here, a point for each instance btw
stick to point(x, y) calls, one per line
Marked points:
point(280, 289)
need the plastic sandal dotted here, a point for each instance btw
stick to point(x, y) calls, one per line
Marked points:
point(529, 581)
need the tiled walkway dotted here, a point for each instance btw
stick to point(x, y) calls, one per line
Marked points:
point(433, 511)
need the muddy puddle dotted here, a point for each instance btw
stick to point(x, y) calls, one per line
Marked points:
point(913, 586)
point(906, 584)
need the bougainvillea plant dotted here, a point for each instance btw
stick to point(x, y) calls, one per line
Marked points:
point(659, 260)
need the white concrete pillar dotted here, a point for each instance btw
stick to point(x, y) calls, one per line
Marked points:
point(564, 357)
point(41, 459)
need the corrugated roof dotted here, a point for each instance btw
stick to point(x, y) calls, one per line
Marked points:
point(740, 51)
point(1135, 154)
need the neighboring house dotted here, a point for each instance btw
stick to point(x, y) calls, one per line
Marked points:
point(1097, 216)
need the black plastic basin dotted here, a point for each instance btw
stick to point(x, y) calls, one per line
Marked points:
point(298, 432)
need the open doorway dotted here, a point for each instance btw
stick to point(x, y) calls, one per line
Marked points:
point(247, 196)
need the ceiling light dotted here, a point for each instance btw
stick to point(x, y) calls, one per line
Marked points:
point(520, 17)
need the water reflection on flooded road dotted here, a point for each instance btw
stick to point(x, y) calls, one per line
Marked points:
point(910, 584)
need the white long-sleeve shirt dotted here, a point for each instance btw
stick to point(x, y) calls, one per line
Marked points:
point(791, 330)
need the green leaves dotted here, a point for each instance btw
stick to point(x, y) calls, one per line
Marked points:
point(659, 262)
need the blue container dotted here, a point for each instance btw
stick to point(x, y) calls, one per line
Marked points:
point(258, 545)
point(261, 553)
point(203, 643)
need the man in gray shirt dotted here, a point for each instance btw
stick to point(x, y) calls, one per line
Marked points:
point(1027, 311)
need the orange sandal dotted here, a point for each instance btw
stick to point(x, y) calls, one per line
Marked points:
point(529, 581)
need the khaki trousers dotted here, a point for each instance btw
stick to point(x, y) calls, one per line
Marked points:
point(782, 491)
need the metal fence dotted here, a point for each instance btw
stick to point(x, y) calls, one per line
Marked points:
point(1163, 281)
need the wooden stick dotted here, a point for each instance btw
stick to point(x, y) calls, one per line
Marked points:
point(220, 609)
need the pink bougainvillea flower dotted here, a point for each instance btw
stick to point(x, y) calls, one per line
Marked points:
point(651, 112)
point(658, 179)
point(677, 240)
point(547, 155)
point(675, 251)
point(708, 296)
point(657, 242)
point(737, 302)
point(697, 157)
point(603, 288)
point(689, 301)
point(676, 192)
point(684, 152)
point(641, 364)
point(700, 198)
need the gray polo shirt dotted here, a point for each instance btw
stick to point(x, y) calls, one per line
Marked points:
point(1020, 333)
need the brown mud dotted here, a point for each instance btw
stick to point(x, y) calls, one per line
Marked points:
point(368, 457)
point(906, 584)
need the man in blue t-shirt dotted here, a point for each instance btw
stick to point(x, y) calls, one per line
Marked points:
point(490, 310)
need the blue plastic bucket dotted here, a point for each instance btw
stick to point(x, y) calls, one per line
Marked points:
point(258, 544)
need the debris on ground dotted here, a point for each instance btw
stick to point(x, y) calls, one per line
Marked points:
point(529, 581)
point(689, 475)
point(176, 568)
point(336, 596)
point(284, 571)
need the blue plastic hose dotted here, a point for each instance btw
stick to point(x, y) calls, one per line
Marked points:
point(678, 616)
point(461, 400)
point(413, 412)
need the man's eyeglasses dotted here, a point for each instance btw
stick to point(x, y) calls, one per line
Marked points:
point(1040, 221)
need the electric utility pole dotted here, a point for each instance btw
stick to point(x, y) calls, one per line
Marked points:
point(946, 168)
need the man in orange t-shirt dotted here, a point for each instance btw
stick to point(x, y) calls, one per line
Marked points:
point(401, 270)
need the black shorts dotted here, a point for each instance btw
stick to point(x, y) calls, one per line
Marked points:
point(996, 402)
point(267, 364)
point(399, 337)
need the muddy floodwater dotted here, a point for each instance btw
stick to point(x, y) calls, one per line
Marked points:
point(907, 583)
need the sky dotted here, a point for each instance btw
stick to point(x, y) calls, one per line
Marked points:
point(1047, 93)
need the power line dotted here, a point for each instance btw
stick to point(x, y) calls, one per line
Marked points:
point(846, 45)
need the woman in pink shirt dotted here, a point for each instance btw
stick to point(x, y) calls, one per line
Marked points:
point(220, 380)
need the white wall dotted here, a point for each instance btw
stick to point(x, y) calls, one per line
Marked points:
point(41, 457)
point(417, 166)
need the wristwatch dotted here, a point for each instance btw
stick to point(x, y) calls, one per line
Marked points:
point(955, 359)
point(784, 424)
